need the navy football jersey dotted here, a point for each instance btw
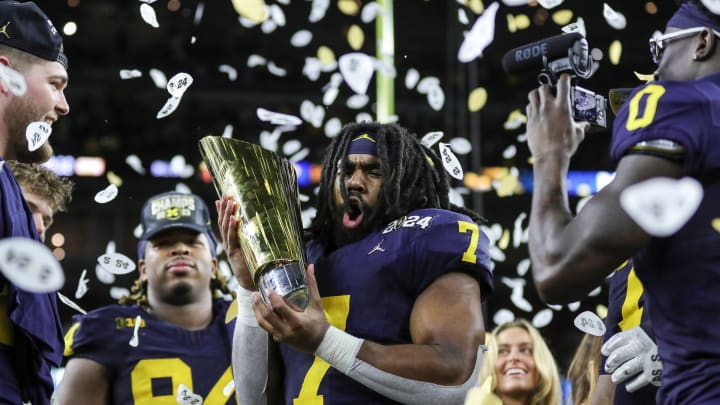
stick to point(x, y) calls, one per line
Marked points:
point(369, 287)
point(30, 328)
point(165, 356)
point(681, 273)
point(626, 310)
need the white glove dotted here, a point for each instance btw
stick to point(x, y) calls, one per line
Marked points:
point(631, 353)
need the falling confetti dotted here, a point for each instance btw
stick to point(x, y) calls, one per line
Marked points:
point(548, 4)
point(588, 322)
point(178, 84)
point(158, 78)
point(70, 303)
point(185, 396)
point(503, 316)
point(36, 134)
point(116, 263)
point(542, 318)
point(135, 340)
point(230, 71)
point(107, 194)
point(148, 15)
point(170, 106)
point(277, 118)
point(477, 99)
point(301, 38)
point(253, 10)
point(431, 138)
point(450, 161)
point(369, 12)
point(82, 287)
point(30, 265)
point(355, 37)
point(614, 19)
point(13, 79)
point(130, 74)
point(357, 70)
point(412, 76)
point(136, 164)
point(480, 36)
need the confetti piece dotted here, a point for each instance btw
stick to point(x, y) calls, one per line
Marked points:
point(333, 126)
point(412, 76)
point(185, 396)
point(522, 267)
point(461, 146)
point(427, 83)
point(463, 17)
point(70, 303)
point(103, 275)
point(515, 3)
point(277, 15)
point(573, 306)
point(229, 388)
point(158, 78)
point(318, 10)
point(36, 134)
point(357, 70)
point(615, 19)
point(601, 310)
point(227, 132)
point(30, 265)
point(118, 292)
point(542, 318)
point(562, 17)
point(301, 38)
point(503, 316)
point(199, 11)
point(330, 95)
point(300, 155)
point(716, 224)
point(480, 36)
point(509, 152)
point(148, 15)
point(275, 70)
point(477, 99)
point(436, 98)
point(130, 74)
point(230, 71)
point(178, 84)
point(170, 106)
point(615, 52)
point(268, 26)
point(82, 287)
point(520, 235)
point(134, 162)
point(355, 37)
point(276, 118)
point(256, 60)
point(135, 340)
point(348, 7)
point(357, 101)
point(363, 117)
point(645, 77)
point(253, 10)
point(548, 4)
point(369, 12)
point(116, 263)
point(450, 161)
point(514, 120)
point(712, 5)
point(588, 322)
point(182, 188)
point(13, 79)
point(291, 147)
point(661, 206)
point(107, 194)
point(113, 178)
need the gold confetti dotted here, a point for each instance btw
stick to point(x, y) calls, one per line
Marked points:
point(114, 179)
point(326, 55)
point(601, 311)
point(615, 52)
point(355, 37)
point(562, 17)
point(253, 10)
point(518, 22)
point(514, 120)
point(477, 99)
point(646, 77)
point(508, 185)
point(476, 6)
point(504, 240)
point(348, 7)
point(716, 224)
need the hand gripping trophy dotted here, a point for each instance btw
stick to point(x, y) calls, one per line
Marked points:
point(270, 234)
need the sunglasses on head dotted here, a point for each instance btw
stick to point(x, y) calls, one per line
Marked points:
point(658, 43)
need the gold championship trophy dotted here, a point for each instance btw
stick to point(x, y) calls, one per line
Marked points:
point(265, 187)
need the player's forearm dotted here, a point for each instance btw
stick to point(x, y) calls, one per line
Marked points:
point(428, 363)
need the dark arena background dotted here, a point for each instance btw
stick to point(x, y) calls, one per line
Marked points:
point(288, 64)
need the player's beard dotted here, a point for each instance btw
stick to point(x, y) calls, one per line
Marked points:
point(19, 113)
point(180, 294)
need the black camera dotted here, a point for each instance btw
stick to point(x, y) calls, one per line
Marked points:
point(565, 53)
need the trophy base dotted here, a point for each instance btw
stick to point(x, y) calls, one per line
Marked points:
point(288, 281)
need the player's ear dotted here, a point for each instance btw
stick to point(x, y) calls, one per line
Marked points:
point(142, 269)
point(706, 45)
point(215, 267)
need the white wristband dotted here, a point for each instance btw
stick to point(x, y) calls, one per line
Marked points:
point(245, 312)
point(339, 349)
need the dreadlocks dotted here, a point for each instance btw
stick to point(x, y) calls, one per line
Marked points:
point(138, 291)
point(413, 178)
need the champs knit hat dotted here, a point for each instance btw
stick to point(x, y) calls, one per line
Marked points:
point(25, 26)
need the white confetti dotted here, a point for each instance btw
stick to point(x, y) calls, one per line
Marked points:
point(615, 19)
point(82, 287)
point(520, 235)
point(230, 71)
point(517, 285)
point(463, 17)
point(13, 79)
point(548, 4)
point(276, 118)
point(431, 138)
point(542, 318)
point(450, 162)
point(333, 126)
point(369, 12)
point(661, 206)
point(515, 3)
point(300, 155)
point(412, 76)
point(268, 26)
point(436, 98)
point(503, 316)
point(301, 38)
point(148, 15)
point(319, 8)
point(246, 22)
point(118, 292)
point(461, 146)
point(330, 95)
point(107, 194)
point(427, 83)
point(574, 306)
point(170, 106)
point(276, 70)
point(523, 266)
point(312, 68)
point(363, 117)
point(227, 132)
point(277, 15)
point(712, 5)
point(30, 265)
point(182, 188)
point(70, 303)
point(357, 70)
point(116, 263)
point(307, 216)
point(480, 36)
point(268, 140)
point(588, 322)
point(185, 396)
point(595, 292)
point(103, 275)
point(36, 134)
point(130, 74)
point(178, 84)
point(357, 101)
point(256, 60)
point(199, 11)
point(158, 78)
point(291, 147)
point(136, 164)
point(312, 113)
point(135, 340)
point(509, 152)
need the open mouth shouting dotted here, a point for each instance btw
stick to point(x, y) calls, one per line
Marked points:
point(353, 216)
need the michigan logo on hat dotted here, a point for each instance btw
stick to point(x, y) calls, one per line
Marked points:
point(364, 143)
point(25, 26)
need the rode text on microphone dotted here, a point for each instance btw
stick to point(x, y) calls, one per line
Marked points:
point(565, 53)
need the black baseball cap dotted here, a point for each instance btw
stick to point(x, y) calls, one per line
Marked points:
point(25, 26)
point(175, 210)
